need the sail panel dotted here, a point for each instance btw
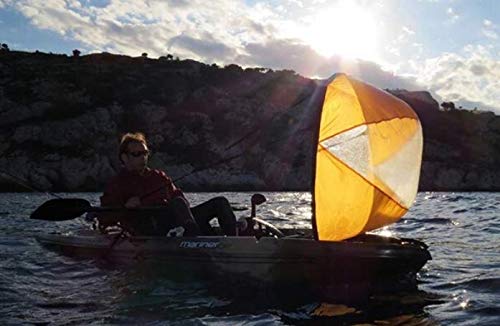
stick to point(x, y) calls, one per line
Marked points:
point(341, 110)
point(378, 105)
point(352, 148)
point(334, 200)
point(384, 211)
point(389, 136)
point(406, 162)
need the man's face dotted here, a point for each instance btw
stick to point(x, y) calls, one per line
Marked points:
point(136, 157)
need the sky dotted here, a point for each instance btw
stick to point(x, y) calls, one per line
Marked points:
point(448, 47)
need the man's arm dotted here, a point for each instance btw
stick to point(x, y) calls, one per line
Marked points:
point(172, 190)
point(111, 197)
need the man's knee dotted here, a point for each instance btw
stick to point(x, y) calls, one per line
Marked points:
point(220, 201)
point(178, 202)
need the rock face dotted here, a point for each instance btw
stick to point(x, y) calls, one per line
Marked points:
point(462, 148)
point(210, 128)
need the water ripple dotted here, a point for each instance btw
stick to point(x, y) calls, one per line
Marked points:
point(461, 285)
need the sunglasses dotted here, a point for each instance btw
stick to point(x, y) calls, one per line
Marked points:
point(138, 153)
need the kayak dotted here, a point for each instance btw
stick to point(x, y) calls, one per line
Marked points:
point(369, 260)
point(368, 152)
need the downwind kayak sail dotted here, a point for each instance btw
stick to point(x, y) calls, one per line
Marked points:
point(369, 152)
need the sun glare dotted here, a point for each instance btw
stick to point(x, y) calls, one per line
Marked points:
point(347, 30)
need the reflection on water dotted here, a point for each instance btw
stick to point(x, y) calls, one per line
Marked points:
point(461, 285)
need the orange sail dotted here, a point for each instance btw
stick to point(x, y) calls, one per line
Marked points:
point(368, 158)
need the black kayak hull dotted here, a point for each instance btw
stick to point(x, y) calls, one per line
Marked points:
point(367, 261)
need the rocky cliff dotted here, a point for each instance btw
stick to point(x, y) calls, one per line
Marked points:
point(211, 128)
point(461, 149)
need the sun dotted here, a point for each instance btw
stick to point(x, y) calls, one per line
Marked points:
point(347, 30)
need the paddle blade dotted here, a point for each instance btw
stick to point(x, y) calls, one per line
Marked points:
point(61, 209)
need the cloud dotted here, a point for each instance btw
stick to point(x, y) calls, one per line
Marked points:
point(402, 44)
point(131, 27)
point(53, 15)
point(207, 48)
point(280, 54)
point(5, 3)
point(470, 78)
point(291, 54)
point(452, 15)
point(489, 30)
point(408, 31)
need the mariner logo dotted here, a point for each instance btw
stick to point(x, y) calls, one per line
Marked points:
point(198, 244)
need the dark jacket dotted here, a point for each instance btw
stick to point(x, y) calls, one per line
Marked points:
point(154, 188)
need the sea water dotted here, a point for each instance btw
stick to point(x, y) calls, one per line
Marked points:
point(460, 286)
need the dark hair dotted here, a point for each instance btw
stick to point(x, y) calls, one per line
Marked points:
point(130, 137)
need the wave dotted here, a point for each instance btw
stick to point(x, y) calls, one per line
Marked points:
point(435, 220)
point(476, 285)
point(454, 199)
point(491, 284)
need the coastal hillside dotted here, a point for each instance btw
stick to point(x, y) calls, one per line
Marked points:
point(210, 127)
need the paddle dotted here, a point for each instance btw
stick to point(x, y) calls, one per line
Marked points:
point(63, 209)
point(69, 208)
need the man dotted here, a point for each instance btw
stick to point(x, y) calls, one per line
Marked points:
point(137, 185)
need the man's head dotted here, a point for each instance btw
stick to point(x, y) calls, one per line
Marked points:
point(134, 151)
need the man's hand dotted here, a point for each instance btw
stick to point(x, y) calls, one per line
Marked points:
point(133, 202)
